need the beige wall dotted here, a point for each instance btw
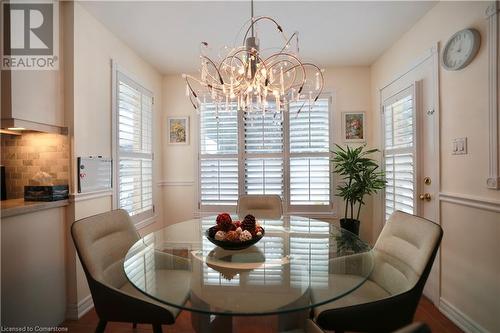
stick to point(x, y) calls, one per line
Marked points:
point(470, 269)
point(89, 104)
point(349, 86)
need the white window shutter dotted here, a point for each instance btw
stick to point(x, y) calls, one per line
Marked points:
point(264, 176)
point(399, 153)
point(309, 155)
point(135, 148)
point(263, 132)
point(254, 153)
point(219, 181)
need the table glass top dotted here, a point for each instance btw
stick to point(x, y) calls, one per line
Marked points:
point(298, 264)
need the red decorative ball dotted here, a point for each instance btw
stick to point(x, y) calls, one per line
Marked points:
point(237, 224)
point(224, 222)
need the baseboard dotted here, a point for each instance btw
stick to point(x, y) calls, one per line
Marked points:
point(459, 318)
point(76, 311)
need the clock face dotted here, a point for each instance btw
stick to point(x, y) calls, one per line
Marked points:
point(460, 49)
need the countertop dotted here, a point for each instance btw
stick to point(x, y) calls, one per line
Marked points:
point(14, 207)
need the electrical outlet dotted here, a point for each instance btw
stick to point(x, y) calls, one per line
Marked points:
point(459, 146)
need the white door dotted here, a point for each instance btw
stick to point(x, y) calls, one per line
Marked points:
point(411, 149)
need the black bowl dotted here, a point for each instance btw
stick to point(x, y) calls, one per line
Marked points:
point(226, 245)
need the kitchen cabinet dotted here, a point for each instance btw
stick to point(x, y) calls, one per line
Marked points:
point(33, 268)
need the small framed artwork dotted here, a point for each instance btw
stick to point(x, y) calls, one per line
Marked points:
point(353, 126)
point(178, 130)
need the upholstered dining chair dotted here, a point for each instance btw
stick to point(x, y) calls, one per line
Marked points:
point(260, 206)
point(102, 241)
point(403, 257)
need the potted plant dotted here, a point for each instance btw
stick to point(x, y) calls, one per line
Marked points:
point(360, 176)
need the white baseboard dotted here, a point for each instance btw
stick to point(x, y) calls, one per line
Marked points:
point(76, 311)
point(459, 318)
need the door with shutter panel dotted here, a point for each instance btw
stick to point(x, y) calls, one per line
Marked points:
point(410, 142)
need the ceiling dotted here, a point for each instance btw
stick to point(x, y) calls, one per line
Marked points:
point(332, 33)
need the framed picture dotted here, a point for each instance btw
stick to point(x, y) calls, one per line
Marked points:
point(178, 130)
point(353, 126)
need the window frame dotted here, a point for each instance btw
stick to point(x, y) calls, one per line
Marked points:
point(327, 211)
point(119, 74)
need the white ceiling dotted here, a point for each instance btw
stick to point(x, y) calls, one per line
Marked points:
point(167, 34)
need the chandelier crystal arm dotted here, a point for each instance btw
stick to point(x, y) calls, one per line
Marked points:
point(215, 67)
point(287, 43)
point(257, 19)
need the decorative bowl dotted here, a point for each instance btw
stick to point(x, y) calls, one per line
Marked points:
point(227, 245)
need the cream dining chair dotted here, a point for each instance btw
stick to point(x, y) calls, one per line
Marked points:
point(102, 241)
point(403, 257)
point(260, 206)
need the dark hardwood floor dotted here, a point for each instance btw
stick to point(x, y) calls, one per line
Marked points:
point(426, 313)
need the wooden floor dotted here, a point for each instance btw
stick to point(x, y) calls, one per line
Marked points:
point(426, 312)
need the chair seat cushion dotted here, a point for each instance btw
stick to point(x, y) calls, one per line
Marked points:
point(174, 286)
point(369, 291)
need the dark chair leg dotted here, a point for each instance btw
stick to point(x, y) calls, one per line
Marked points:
point(101, 326)
point(134, 325)
point(157, 328)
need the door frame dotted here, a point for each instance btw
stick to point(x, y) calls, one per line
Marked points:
point(431, 54)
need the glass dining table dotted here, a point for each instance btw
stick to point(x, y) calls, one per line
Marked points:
point(300, 263)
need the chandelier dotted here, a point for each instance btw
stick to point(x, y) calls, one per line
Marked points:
point(255, 79)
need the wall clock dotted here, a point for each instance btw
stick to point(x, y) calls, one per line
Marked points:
point(460, 49)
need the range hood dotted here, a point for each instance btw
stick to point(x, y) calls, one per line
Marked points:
point(15, 126)
point(31, 101)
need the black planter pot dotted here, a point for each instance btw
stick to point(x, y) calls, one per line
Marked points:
point(351, 225)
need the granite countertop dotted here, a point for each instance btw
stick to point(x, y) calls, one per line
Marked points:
point(14, 207)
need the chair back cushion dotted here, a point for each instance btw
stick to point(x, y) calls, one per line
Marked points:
point(260, 206)
point(102, 242)
point(403, 250)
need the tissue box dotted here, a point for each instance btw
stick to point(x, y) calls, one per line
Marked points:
point(46, 193)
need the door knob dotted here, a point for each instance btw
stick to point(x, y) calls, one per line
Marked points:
point(425, 196)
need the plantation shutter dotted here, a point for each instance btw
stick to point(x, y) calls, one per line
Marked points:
point(309, 154)
point(260, 153)
point(135, 148)
point(218, 155)
point(263, 155)
point(400, 152)
point(219, 181)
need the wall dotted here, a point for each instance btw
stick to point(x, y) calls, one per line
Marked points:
point(349, 86)
point(25, 155)
point(470, 269)
point(89, 49)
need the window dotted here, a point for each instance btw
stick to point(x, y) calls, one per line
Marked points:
point(282, 153)
point(218, 155)
point(134, 148)
point(263, 153)
point(309, 155)
point(399, 152)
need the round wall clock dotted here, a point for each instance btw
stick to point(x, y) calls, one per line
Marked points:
point(460, 49)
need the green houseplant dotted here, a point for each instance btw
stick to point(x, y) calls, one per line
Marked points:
point(360, 176)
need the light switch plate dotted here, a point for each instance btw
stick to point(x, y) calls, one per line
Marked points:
point(459, 146)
